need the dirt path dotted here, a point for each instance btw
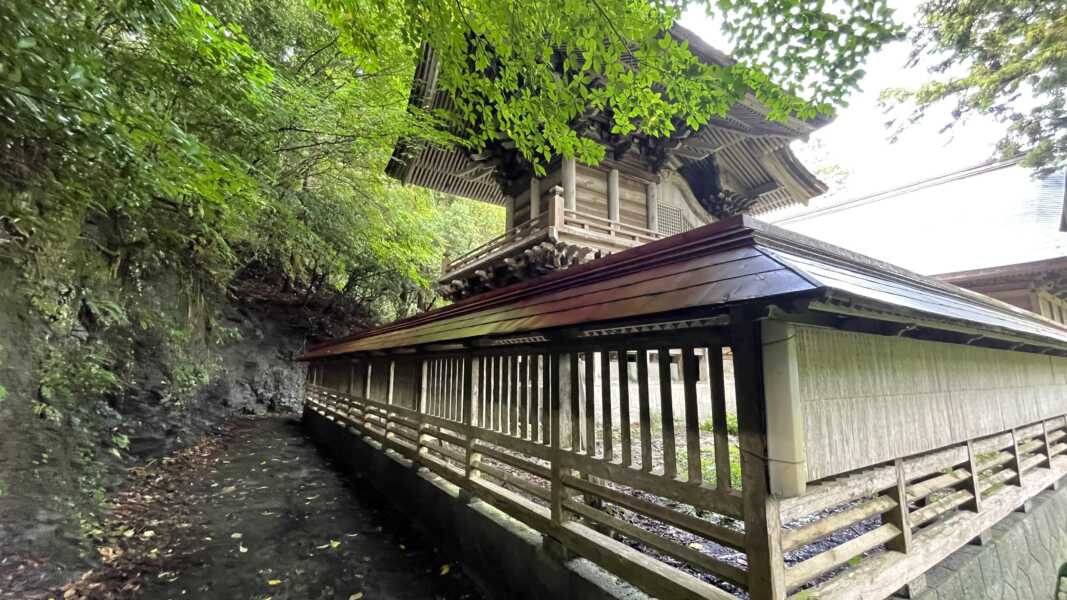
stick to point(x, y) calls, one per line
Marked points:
point(258, 513)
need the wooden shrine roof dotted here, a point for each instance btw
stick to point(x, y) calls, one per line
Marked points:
point(742, 147)
point(735, 261)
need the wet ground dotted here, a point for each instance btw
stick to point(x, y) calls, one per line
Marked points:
point(258, 513)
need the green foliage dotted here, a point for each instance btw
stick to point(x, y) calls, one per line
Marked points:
point(731, 425)
point(1004, 59)
point(530, 71)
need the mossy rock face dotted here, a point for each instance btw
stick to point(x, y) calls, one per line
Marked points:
point(73, 423)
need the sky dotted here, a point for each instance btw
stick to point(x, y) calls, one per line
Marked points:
point(858, 141)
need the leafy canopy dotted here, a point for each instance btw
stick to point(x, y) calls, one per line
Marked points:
point(528, 71)
point(1005, 58)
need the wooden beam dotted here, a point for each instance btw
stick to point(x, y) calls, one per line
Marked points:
point(570, 184)
point(509, 213)
point(785, 423)
point(763, 527)
point(613, 195)
point(652, 206)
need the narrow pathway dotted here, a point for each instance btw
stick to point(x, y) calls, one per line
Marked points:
point(258, 513)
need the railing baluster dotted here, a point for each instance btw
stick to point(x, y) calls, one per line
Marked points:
point(644, 414)
point(573, 401)
point(513, 396)
point(624, 406)
point(690, 371)
point(547, 390)
point(605, 393)
point(590, 403)
point(666, 407)
point(524, 416)
point(717, 388)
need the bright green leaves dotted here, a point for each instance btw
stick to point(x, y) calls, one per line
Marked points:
point(534, 71)
point(1004, 59)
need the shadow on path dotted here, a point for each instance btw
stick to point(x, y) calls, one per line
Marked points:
point(264, 515)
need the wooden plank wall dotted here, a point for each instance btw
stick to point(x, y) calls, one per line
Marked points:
point(632, 202)
point(380, 378)
point(867, 398)
point(592, 197)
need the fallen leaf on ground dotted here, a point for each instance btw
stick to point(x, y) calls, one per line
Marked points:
point(335, 543)
point(241, 548)
point(356, 596)
point(274, 582)
point(445, 569)
point(235, 535)
point(229, 489)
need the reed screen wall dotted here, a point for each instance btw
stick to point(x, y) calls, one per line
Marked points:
point(866, 398)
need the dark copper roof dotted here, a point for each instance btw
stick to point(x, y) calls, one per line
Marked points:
point(734, 261)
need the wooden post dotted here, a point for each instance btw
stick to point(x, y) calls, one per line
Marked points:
point(690, 371)
point(559, 391)
point(555, 208)
point(652, 205)
point(971, 483)
point(717, 384)
point(899, 515)
point(613, 195)
point(666, 409)
point(785, 424)
point(590, 403)
point(392, 382)
point(535, 197)
point(509, 213)
point(763, 527)
point(605, 404)
point(624, 407)
point(644, 414)
point(1046, 447)
point(473, 458)
point(570, 184)
point(1016, 463)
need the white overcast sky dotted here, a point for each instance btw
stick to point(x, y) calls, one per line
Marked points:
point(857, 140)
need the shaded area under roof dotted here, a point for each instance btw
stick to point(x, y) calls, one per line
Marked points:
point(735, 261)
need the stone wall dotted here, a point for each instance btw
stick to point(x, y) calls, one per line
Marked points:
point(1025, 558)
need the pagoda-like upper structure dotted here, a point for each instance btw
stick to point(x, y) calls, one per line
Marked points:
point(646, 188)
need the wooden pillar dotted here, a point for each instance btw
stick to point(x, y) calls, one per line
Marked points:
point(469, 373)
point(785, 424)
point(763, 527)
point(392, 380)
point(559, 376)
point(652, 205)
point(613, 195)
point(570, 184)
point(509, 213)
point(555, 208)
point(535, 197)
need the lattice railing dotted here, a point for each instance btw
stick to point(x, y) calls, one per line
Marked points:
point(857, 528)
point(589, 447)
point(617, 445)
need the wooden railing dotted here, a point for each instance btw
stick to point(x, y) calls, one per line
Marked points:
point(614, 231)
point(495, 245)
point(613, 435)
point(599, 229)
point(550, 438)
point(880, 529)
